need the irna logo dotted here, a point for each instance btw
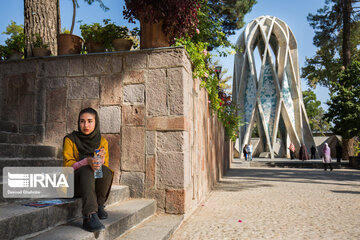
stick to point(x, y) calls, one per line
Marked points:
point(33, 180)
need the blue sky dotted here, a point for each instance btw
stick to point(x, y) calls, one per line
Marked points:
point(293, 12)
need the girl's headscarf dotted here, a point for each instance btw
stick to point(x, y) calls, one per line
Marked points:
point(326, 149)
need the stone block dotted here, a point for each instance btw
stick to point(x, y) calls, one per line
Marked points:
point(166, 59)
point(72, 114)
point(96, 65)
point(150, 142)
point(156, 93)
point(169, 170)
point(135, 181)
point(134, 93)
point(83, 88)
point(59, 82)
point(114, 155)
point(134, 115)
point(158, 195)
point(27, 104)
point(56, 105)
point(93, 103)
point(54, 68)
point(55, 133)
point(170, 141)
point(134, 77)
point(76, 67)
point(110, 119)
point(117, 62)
point(135, 61)
point(167, 123)
point(133, 149)
point(111, 90)
point(176, 90)
point(150, 172)
point(175, 201)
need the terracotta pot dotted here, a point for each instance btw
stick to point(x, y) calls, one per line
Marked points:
point(152, 36)
point(15, 55)
point(94, 47)
point(122, 44)
point(69, 44)
point(41, 52)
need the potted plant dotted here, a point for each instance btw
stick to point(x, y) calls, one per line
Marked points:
point(94, 37)
point(161, 21)
point(40, 48)
point(120, 37)
point(69, 43)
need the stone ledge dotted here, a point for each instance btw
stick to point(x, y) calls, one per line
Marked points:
point(167, 123)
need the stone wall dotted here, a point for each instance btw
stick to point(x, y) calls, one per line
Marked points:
point(163, 141)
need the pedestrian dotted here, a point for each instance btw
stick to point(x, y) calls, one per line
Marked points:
point(79, 148)
point(245, 152)
point(303, 154)
point(249, 150)
point(313, 151)
point(292, 150)
point(338, 152)
point(327, 157)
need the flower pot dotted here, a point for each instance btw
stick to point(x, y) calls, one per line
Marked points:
point(93, 47)
point(121, 44)
point(152, 35)
point(69, 44)
point(15, 55)
point(41, 52)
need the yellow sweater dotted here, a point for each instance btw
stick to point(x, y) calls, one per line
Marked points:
point(71, 153)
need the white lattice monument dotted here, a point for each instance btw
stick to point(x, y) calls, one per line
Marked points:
point(272, 97)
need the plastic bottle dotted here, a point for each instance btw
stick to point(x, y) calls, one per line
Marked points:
point(98, 173)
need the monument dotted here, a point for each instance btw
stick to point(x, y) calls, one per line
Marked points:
point(267, 88)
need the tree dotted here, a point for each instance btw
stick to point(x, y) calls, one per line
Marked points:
point(315, 112)
point(337, 29)
point(344, 106)
point(42, 17)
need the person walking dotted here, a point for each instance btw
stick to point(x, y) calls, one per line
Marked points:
point(303, 154)
point(313, 151)
point(249, 150)
point(93, 177)
point(338, 152)
point(292, 150)
point(327, 157)
point(245, 152)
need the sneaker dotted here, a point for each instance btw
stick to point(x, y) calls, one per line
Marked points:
point(92, 223)
point(101, 212)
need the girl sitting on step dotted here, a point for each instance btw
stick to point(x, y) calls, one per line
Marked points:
point(79, 148)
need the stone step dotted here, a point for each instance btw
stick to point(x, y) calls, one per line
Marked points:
point(158, 227)
point(8, 127)
point(8, 137)
point(122, 217)
point(25, 220)
point(9, 150)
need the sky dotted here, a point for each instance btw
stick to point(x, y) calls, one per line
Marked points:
point(293, 12)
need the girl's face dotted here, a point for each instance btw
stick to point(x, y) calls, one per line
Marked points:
point(87, 123)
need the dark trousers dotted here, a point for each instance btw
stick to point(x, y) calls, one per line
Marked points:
point(325, 166)
point(292, 155)
point(312, 155)
point(93, 191)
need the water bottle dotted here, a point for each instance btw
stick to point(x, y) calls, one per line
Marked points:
point(98, 173)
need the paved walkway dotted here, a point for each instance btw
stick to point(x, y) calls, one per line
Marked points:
point(279, 203)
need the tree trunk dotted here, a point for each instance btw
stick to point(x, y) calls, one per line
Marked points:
point(41, 17)
point(346, 53)
point(348, 147)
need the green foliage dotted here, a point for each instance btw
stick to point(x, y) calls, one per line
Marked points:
point(105, 34)
point(344, 104)
point(38, 43)
point(315, 112)
point(16, 41)
point(327, 23)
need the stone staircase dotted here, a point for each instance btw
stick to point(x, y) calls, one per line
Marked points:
point(128, 218)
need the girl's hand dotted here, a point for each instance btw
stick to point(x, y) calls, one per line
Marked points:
point(93, 163)
point(102, 154)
